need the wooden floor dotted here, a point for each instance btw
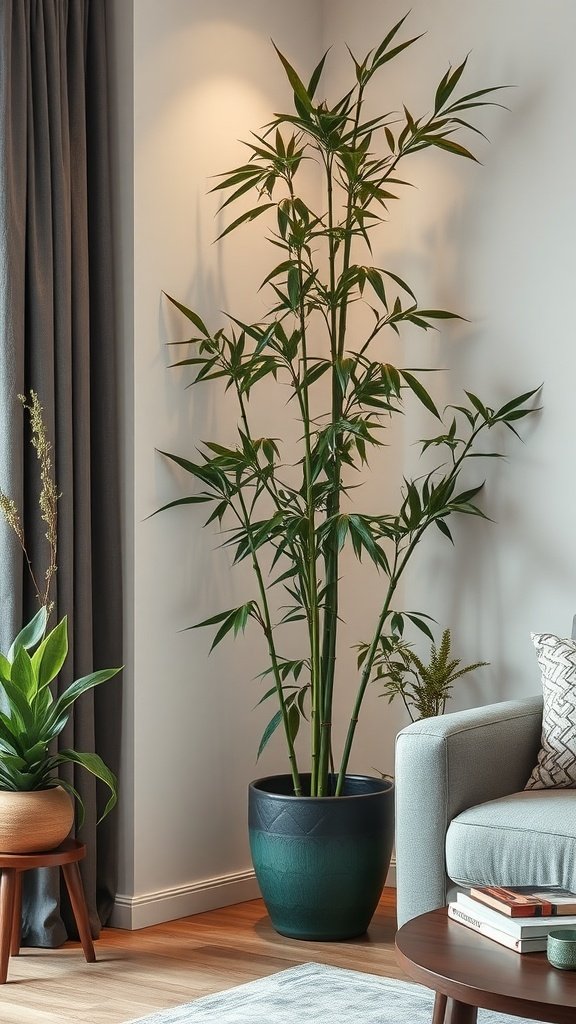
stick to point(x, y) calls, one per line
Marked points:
point(142, 971)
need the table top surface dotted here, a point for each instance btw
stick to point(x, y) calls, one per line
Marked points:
point(464, 965)
point(69, 851)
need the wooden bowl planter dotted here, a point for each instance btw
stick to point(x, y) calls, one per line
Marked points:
point(34, 821)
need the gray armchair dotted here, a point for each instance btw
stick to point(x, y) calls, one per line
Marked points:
point(462, 815)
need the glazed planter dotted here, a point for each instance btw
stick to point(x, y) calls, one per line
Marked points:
point(321, 862)
point(34, 821)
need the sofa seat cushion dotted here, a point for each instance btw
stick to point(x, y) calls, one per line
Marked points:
point(527, 838)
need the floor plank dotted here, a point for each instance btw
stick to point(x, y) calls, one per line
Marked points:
point(142, 971)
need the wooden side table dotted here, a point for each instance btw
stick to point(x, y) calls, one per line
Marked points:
point(467, 970)
point(12, 865)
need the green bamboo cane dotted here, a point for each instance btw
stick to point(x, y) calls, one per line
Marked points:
point(337, 340)
point(268, 633)
point(311, 553)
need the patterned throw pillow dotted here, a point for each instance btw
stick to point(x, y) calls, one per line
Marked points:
point(556, 765)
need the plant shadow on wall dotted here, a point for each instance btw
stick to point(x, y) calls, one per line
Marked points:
point(293, 522)
point(37, 809)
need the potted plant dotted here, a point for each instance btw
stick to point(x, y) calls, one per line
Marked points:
point(36, 806)
point(321, 837)
point(423, 688)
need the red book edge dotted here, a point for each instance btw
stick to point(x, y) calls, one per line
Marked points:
point(513, 904)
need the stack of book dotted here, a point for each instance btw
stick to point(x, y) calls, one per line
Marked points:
point(517, 917)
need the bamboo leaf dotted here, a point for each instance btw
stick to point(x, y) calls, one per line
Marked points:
point(240, 174)
point(201, 472)
point(447, 85)
point(190, 315)
point(293, 721)
point(515, 402)
point(241, 191)
point(298, 86)
point(479, 406)
point(269, 693)
point(517, 414)
point(420, 391)
point(418, 620)
point(293, 281)
point(214, 619)
point(452, 147)
point(402, 284)
point(469, 99)
point(269, 732)
point(282, 268)
point(439, 314)
point(390, 54)
point(413, 502)
point(314, 373)
point(245, 218)
point(316, 75)
point(194, 499)
point(375, 279)
point(389, 37)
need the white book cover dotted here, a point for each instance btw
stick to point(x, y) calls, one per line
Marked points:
point(521, 927)
point(534, 944)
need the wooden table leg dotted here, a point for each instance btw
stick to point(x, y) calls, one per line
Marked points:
point(17, 916)
point(460, 1013)
point(7, 888)
point(439, 1009)
point(76, 892)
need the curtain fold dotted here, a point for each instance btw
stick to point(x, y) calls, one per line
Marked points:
point(57, 337)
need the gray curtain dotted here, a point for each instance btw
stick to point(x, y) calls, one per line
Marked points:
point(57, 337)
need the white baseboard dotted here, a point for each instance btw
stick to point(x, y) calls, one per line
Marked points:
point(133, 912)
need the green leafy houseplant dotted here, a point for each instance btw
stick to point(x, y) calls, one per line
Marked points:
point(31, 717)
point(423, 688)
point(34, 718)
point(293, 523)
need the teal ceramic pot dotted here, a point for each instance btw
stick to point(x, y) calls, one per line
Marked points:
point(321, 862)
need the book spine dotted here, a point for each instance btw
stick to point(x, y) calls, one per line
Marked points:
point(514, 926)
point(503, 938)
point(504, 908)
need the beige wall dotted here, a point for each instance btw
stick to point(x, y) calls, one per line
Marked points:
point(205, 75)
point(495, 242)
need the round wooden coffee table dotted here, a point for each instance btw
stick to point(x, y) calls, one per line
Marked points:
point(467, 970)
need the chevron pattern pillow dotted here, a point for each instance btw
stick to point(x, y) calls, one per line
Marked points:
point(556, 765)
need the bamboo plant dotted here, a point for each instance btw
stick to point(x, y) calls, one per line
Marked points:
point(344, 393)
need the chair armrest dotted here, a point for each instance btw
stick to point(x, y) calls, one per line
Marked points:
point(443, 766)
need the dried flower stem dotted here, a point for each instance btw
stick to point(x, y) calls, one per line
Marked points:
point(48, 501)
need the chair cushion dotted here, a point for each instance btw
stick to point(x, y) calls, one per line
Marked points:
point(527, 838)
point(556, 765)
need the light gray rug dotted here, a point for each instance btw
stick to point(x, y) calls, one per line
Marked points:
point(315, 994)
